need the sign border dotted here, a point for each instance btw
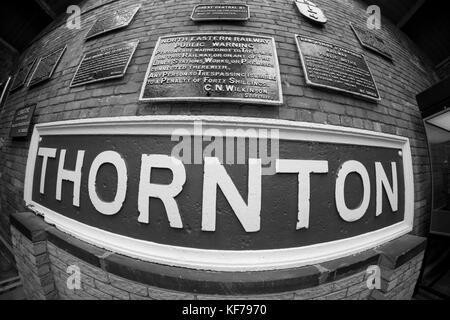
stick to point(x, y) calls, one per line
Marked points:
point(135, 42)
point(384, 54)
point(128, 22)
point(223, 260)
point(312, 83)
point(63, 50)
point(215, 99)
point(221, 19)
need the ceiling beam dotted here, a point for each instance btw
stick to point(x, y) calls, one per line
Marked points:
point(410, 13)
point(9, 46)
point(48, 10)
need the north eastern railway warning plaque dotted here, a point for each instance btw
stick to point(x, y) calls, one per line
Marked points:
point(205, 12)
point(112, 21)
point(214, 67)
point(46, 66)
point(334, 67)
point(106, 63)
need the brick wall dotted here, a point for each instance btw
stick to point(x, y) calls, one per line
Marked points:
point(398, 82)
point(43, 257)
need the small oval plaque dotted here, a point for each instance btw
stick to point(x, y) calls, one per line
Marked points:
point(311, 11)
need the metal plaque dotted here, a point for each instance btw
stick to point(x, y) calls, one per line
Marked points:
point(333, 67)
point(115, 20)
point(370, 41)
point(204, 12)
point(214, 67)
point(311, 11)
point(21, 123)
point(107, 63)
point(45, 67)
point(22, 74)
point(4, 86)
point(206, 199)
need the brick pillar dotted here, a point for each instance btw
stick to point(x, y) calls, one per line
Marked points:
point(33, 264)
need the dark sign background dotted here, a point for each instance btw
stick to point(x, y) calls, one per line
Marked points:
point(279, 195)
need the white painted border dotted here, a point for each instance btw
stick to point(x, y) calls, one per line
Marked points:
point(135, 44)
point(314, 84)
point(223, 260)
point(220, 19)
point(126, 24)
point(216, 99)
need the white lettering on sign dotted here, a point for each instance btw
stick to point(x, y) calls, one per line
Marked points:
point(166, 193)
point(347, 214)
point(215, 175)
point(45, 153)
point(68, 175)
point(303, 168)
point(108, 208)
point(383, 182)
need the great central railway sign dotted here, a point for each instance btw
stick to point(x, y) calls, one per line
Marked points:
point(163, 189)
point(212, 12)
point(229, 67)
point(334, 67)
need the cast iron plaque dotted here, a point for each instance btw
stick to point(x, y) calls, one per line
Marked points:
point(22, 74)
point(103, 64)
point(20, 126)
point(204, 12)
point(214, 67)
point(45, 67)
point(330, 66)
point(370, 41)
point(115, 20)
